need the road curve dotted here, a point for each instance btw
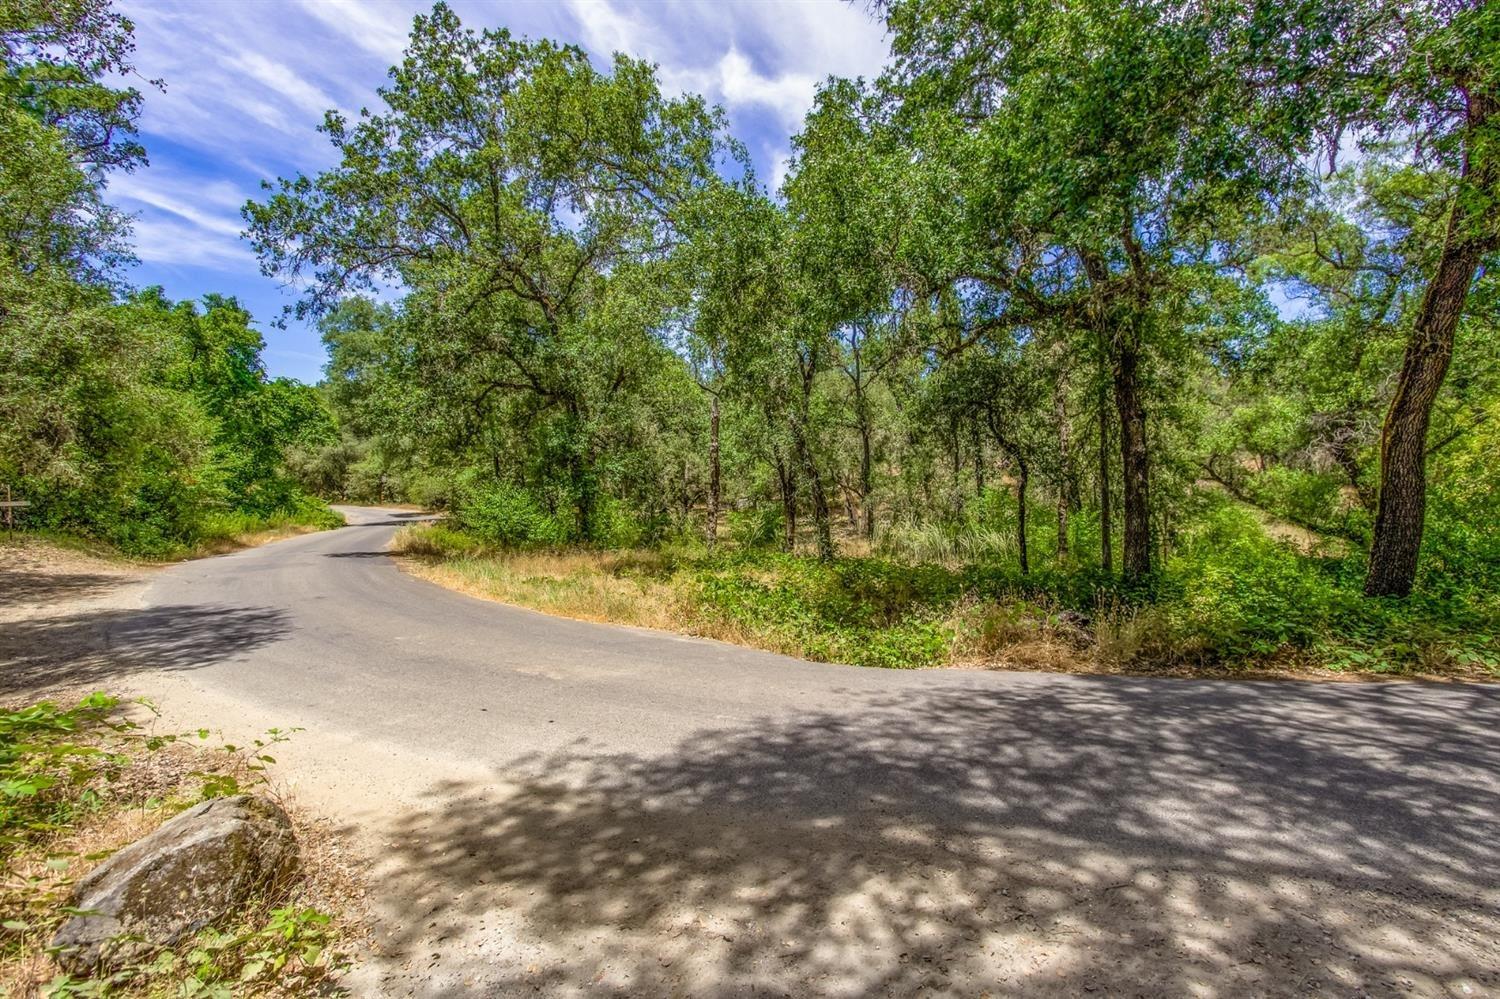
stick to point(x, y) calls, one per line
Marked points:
point(612, 811)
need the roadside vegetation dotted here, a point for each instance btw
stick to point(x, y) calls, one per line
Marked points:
point(1231, 600)
point(79, 781)
point(1049, 334)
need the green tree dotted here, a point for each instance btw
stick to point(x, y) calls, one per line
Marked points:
point(527, 201)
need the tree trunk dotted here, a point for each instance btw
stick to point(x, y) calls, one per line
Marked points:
point(1135, 463)
point(1064, 460)
point(956, 459)
point(866, 489)
point(1401, 502)
point(822, 522)
point(1106, 541)
point(711, 530)
point(1062, 528)
point(786, 481)
point(1023, 477)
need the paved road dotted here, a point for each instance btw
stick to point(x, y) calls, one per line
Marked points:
point(604, 811)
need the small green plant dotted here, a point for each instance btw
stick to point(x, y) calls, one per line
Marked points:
point(289, 947)
point(46, 767)
point(63, 776)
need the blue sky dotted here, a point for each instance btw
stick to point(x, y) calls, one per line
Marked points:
point(248, 82)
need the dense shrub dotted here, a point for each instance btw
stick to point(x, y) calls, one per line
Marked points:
point(1316, 500)
point(506, 516)
point(1233, 593)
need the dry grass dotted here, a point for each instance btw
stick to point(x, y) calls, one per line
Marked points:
point(611, 587)
point(637, 588)
point(629, 588)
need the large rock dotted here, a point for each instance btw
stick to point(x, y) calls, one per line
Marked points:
point(196, 869)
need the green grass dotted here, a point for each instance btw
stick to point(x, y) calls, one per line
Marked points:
point(212, 532)
point(1230, 598)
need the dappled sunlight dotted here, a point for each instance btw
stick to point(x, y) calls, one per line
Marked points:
point(1115, 835)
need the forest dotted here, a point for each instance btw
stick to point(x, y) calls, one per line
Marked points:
point(1088, 335)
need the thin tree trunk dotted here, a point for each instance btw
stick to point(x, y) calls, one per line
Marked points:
point(1064, 460)
point(1062, 528)
point(978, 442)
point(1135, 464)
point(822, 522)
point(1023, 477)
point(957, 460)
point(866, 474)
point(1106, 541)
point(786, 482)
point(712, 528)
point(1401, 503)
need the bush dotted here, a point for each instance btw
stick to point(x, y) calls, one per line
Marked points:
point(1231, 592)
point(618, 525)
point(1312, 499)
point(867, 612)
point(508, 517)
point(436, 540)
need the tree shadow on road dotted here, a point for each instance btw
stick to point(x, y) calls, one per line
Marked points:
point(97, 647)
point(19, 586)
point(1064, 836)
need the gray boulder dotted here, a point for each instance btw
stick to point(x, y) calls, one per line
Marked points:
point(198, 868)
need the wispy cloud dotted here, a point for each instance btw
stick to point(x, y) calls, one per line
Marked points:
point(280, 78)
point(380, 28)
point(607, 29)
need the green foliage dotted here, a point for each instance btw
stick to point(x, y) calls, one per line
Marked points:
point(866, 612)
point(142, 423)
point(508, 517)
point(46, 767)
point(59, 768)
point(1237, 594)
point(1317, 500)
point(755, 528)
point(286, 947)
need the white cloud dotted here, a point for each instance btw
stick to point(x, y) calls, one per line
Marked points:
point(129, 188)
point(770, 54)
point(607, 30)
point(380, 28)
point(162, 238)
point(280, 78)
point(789, 95)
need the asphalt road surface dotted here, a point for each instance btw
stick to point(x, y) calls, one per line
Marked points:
point(565, 808)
